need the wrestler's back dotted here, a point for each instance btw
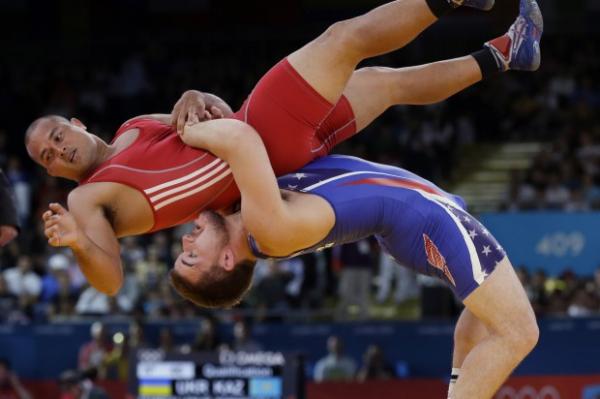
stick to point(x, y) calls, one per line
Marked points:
point(370, 199)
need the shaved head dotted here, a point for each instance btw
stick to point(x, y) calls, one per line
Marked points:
point(36, 123)
point(63, 147)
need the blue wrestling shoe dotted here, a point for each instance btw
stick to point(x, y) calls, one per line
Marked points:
point(519, 48)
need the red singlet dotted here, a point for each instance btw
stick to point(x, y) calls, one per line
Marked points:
point(296, 124)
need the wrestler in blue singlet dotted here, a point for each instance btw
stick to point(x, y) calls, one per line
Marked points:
point(419, 224)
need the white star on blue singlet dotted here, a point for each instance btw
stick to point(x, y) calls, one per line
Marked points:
point(292, 186)
point(473, 234)
point(299, 176)
point(467, 219)
point(486, 250)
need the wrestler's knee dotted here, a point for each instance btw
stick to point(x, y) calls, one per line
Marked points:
point(344, 38)
point(523, 331)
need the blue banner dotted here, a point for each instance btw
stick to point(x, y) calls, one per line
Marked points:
point(552, 241)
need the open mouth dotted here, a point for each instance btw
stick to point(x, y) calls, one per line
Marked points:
point(72, 157)
point(188, 259)
point(186, 263)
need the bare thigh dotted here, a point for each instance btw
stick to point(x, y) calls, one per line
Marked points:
point(324, 64)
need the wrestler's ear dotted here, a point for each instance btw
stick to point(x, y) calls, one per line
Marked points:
point(227, 260)
point(78, 123)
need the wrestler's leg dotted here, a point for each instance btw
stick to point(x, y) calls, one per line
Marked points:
point(469, 331)
point(327, 62)
point(502, 305)
point(372, 90)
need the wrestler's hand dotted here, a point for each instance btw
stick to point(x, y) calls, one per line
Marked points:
point(193, 107)
point(60, 227)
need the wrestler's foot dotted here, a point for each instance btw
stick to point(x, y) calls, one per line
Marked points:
point(519, 48)
point(485, 5)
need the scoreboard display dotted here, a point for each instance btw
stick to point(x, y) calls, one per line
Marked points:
point(155, 374)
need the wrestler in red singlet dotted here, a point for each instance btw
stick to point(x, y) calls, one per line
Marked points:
point(296, 124)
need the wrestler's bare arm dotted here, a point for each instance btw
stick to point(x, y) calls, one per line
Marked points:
point(85, 229)
point(280, 227)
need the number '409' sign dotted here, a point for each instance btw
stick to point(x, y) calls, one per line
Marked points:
point(561, 244)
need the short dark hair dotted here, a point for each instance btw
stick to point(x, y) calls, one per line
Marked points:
point(39, 120)
point(218, 288)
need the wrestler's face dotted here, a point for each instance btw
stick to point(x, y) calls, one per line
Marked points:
point(203, 247)
point(64, 148)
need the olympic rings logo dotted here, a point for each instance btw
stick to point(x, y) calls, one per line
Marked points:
point(528, 392)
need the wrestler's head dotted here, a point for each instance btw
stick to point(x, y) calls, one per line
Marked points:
point(63, 147)
point(213, 270)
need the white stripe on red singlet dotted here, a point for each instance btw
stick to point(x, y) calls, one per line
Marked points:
point(189, 176)
point(189, 185)
point(192, 192)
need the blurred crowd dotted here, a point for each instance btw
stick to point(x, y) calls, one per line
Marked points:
point(354, 282)
point(40, 283)
point(566, 294)
point(106, 354)
point(565, 175)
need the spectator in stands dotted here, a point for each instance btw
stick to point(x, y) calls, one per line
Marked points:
point(582, 304)
point(356, 261)
point(295, 269)
point(269, 292)
point(136, 337)
point(165, 340)
point(24, 283)
point(63, 303)
point(577, 201)
point(93, 353)
point(557, 194)
point(22, 280)
point(10, 385)
point(78, 385)
point(392, 273)
point(150, 270)
point(9, 223)
point(9, 303)
point(375, 367)
point(92, 302)
point(591, 191)
point(131, 251)
point(595, 287)
point(207, 338)
point(130, 290)
point(557, 303)
point(19, 180)
point(116, 362)
point(539, 295)
point(57, 264)
point(242, 338)
point(335, 366)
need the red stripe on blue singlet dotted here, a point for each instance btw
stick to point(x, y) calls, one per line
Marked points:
point(391, 182)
